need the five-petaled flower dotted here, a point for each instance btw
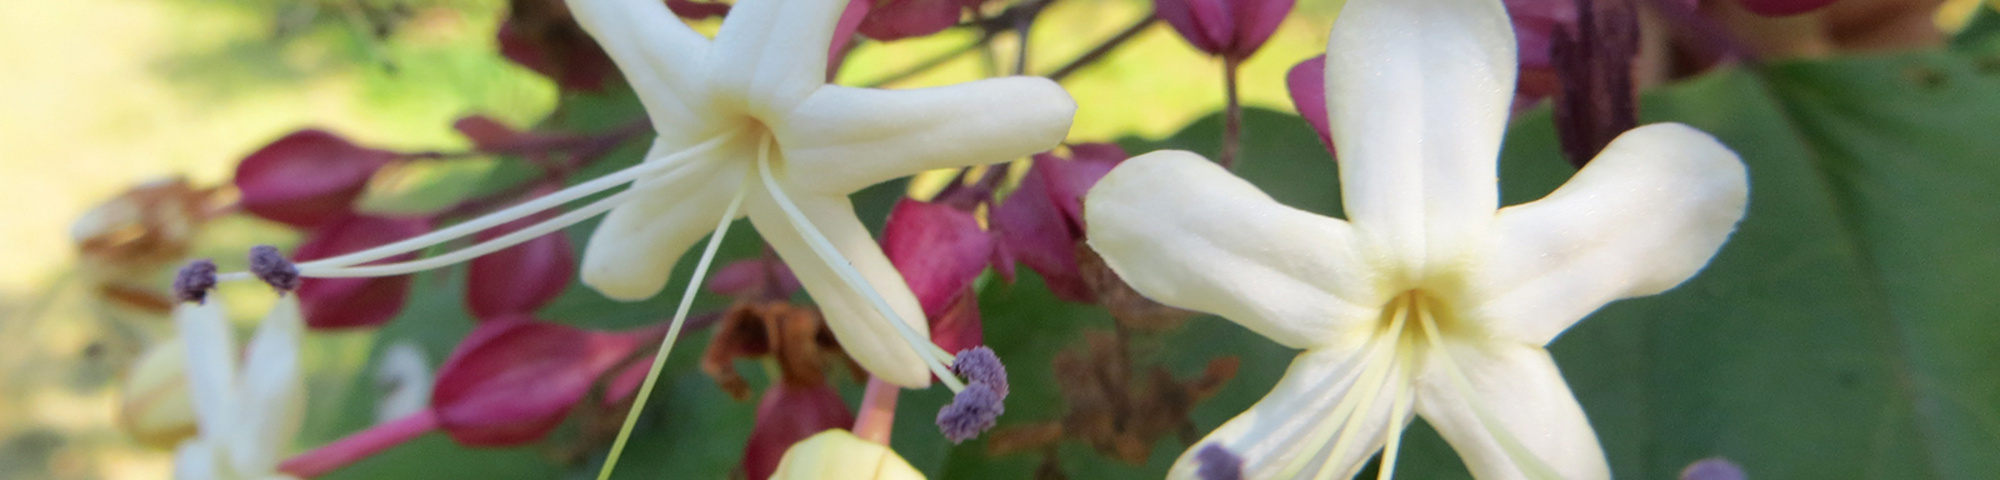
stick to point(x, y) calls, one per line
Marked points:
point(1428, 298)
point(246, 416)
point(749, 116)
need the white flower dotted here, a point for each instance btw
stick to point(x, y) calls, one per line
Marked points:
point(246, 416)
point(748, 126)
point(756, 96)
point(1429, 299)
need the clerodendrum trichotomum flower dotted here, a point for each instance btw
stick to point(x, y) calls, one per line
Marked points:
point(1428, 299)
point(748, 127)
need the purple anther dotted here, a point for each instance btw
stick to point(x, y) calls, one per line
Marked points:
point(973, 411)
point(194, 281)
point(273, 268)
point(1217, 463)
point(980, 365)
point(1713, 468)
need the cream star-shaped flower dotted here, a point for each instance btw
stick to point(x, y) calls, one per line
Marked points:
point(750, 114)
point(1428, 298)
point(246, 416)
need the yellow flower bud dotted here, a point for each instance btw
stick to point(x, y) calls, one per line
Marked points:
point(839, 455)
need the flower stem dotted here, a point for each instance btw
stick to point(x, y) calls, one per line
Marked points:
point(878, 411)
point(1102, 49)
point(931, 63)
point(361, 445)
point(1232, 126)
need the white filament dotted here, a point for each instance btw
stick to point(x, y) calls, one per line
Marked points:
point(509, 214)
point(511, 239)
point(845, 270)
point(1531, 466)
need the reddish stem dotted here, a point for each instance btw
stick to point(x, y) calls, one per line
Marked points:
point(878, 411)
point(360, 445)
point(1232, 126)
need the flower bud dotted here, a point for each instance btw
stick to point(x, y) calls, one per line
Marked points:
point(1041, 223)
point(154, 407)
point(839, 455)
point(355, 302)
point(307, 178)
point(899, 19)
point(1232, 29)
point(514, 379)
point(764, 278)
point(786, 415)
point(940, 250)
point(522, 278)
point(541, 35)
point(1307, 84)
point(140, 231)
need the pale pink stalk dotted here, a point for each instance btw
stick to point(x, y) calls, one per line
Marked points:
point(878, 411)
point(361, 445)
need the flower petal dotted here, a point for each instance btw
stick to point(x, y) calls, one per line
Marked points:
point(845, 139)
point(1643, 217)
point(211, 365)
point(196, 460)
point(273, 402)
point(1188, 234)
point(1293, 420)
point(1520, 388)
point(1418, 93)
point(865, 335)
point(633, 251)
point(660, 56)
point(771, 54)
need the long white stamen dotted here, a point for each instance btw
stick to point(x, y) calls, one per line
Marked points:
point(1343, 412)
point(673, 332)
point(1398, 408)
point(1531, 466)
point(516, 212)
point(845, 270)
point(511, 239)
point(1350, 432)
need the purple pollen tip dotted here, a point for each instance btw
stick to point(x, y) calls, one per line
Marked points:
point(1218, 463)
point(980, 365)
point(194, 281)
point(973, 411)
point(1713, 468)
point(273, 268)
